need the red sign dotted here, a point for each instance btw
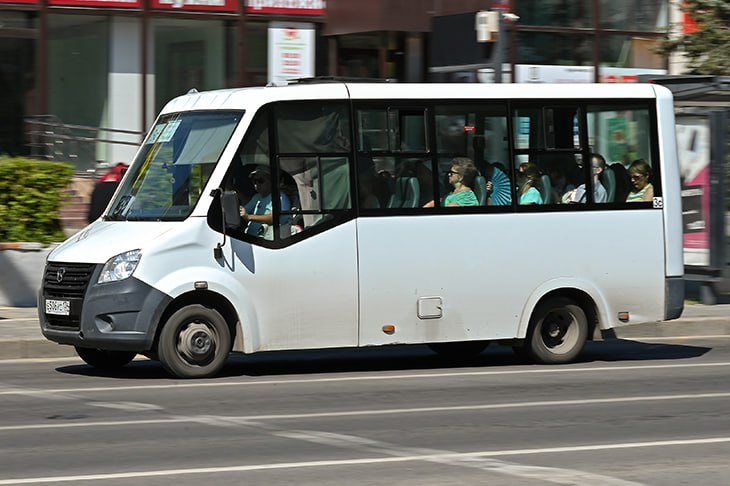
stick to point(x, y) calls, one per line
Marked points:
point(199, 5)
point(98, 3)
point(286, 7)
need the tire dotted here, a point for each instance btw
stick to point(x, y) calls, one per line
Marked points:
point(459, 350)
point(194, 342)
point(105, 360)
point(558, 331)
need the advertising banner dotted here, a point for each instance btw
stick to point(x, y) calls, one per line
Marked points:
point(196, 5)
point(528, 73)
point(693, 144)
point(291, 51)
point(286, 7)
point(98, 3)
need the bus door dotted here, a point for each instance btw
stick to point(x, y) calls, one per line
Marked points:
point(302, 279)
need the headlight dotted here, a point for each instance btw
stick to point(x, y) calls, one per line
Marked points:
point(120, 267)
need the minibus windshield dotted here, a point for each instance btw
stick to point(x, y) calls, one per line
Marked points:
point(172, 168)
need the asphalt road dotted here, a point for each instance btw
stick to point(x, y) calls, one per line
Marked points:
point(629, 413)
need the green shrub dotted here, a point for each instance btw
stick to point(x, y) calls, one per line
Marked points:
point(31, 193)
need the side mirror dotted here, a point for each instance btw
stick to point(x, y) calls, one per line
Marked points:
point(231, 211)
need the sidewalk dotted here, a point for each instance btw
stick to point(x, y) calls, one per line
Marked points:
point(20, 334)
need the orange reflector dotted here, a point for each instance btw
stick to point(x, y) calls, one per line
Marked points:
point(623, 316)
point(389, 329)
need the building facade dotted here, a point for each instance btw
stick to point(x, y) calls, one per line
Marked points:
point(114, 63)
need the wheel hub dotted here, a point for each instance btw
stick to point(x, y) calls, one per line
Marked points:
point(553, 330)
point(196, 342)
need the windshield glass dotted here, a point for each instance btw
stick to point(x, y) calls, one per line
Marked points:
point(173, 166)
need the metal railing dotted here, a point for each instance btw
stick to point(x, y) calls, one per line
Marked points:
point(49, 138)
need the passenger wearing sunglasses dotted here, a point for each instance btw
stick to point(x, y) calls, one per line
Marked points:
point(641, 188)
point(257, 213)
point(461, 176)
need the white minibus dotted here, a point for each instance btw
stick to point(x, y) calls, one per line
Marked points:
point(332, 213)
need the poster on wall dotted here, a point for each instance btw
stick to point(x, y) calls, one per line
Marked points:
point(528, 73)
point(693, 145)
point(98, 3)
point(291, 51)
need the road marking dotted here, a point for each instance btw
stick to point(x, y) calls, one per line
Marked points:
point(544, 474)
point(355, 413)
point(677, 338)
point(340, 379)
point(127, 406)
point(359, 461)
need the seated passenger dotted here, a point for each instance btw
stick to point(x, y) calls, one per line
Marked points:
point(529, 186)
point(461, 177)
point(256, 213)
point(641, 188)
point(578, 195)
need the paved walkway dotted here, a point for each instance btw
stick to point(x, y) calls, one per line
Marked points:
point(20, 335)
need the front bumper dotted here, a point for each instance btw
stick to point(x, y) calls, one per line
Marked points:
point(115, 316)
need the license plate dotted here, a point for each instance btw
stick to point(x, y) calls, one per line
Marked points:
point(58, 307)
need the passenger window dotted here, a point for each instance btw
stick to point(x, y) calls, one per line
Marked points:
point(318, 189)
point(477, 133)
point(309, 180)
point(549, 155)
point(394, 182)
point(392, 130)
point(312, 127)
point(393, 161)
point(622, 135)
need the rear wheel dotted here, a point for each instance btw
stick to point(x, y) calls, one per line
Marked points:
point(105, 360)
point(558, 331)
point(194, 342)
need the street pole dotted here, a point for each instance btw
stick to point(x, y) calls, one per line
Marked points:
point(498, 54)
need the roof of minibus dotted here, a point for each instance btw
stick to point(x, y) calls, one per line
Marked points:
point(251, 98)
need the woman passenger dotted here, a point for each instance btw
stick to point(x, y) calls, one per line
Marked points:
point(530, 187)
point(461, 177)
point(641, 188)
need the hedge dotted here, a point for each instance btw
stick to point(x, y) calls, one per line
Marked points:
point(31, 193)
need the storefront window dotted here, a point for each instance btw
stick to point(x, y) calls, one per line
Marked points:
point(189, 54)
point(17, 80)
point(630, 52)
point(17, 20)
point(78, 67)
point(555, 48)
point(645, 16)
point(560, 13)
point(256, 52)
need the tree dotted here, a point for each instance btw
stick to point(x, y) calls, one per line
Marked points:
point(705, 44)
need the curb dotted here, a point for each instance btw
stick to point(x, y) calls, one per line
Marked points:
point(33, 349)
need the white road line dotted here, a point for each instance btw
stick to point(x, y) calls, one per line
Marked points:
point(357, 461)
point(355, 413)
point(342, 379)
point(365, 446)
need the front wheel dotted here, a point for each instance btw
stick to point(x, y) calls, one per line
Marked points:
point(558, 331)
point(105, 360)
point(194, 342)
